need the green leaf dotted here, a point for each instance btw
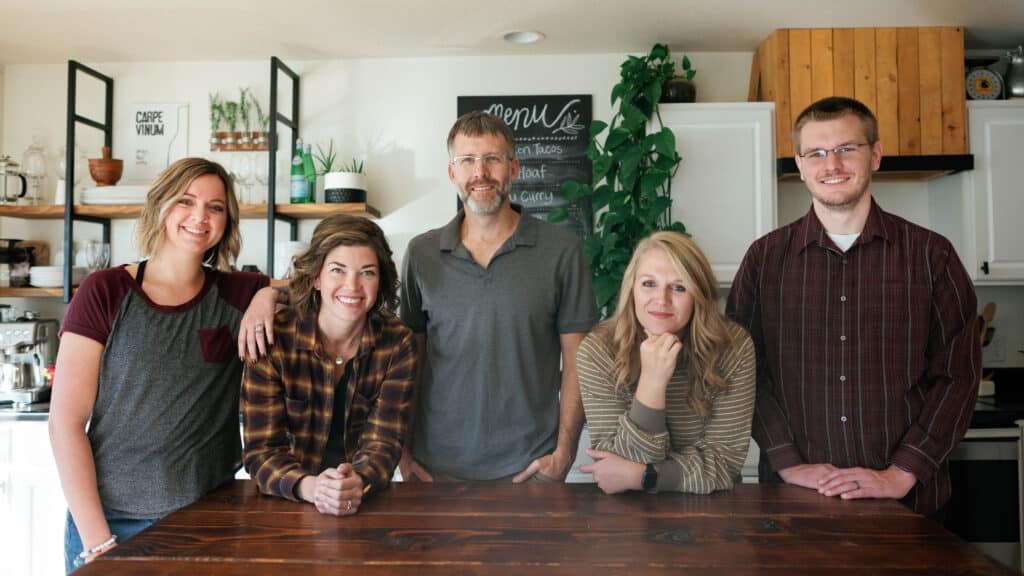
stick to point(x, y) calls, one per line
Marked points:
point(615, 138)
point(664, 142)
point(600, 197)
point(559, 214)
point(571, 189)
point(633, 118)
point(658, 52)
point(616, 94)
point(596, 127)
point(678, 227)
point(600, 167)
point(690, 74)
point(686, 62)
point(651, 180)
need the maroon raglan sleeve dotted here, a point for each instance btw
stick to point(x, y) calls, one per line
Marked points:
point(93, 308)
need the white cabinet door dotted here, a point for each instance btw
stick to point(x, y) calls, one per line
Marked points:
point(995, 185)
point(9, 528)
point(724, 190)
point(37, 503)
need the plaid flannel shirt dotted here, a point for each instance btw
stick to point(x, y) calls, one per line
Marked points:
point(288, 400)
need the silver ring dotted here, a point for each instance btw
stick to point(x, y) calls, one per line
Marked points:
point(258, 328)
point(856, 484)
point(348, 505)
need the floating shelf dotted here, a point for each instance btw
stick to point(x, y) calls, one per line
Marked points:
point(32, 292)
point(248, 211)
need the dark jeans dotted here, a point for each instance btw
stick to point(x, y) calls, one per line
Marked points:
point(123, 528)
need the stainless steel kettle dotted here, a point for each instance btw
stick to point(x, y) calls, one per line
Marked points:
point(1015, 73)
point(9, 169)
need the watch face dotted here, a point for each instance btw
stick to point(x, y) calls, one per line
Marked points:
point(650, 478)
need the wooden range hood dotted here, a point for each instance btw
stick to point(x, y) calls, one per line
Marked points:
point(911, 78)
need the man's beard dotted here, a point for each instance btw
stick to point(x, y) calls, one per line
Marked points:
point(500, 196)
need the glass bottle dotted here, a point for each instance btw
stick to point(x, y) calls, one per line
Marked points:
point(299, 193)
point(310, 171)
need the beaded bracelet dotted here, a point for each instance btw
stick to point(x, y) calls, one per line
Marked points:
point(85, 554)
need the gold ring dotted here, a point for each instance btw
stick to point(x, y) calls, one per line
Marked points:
point(348, 505)
point(258, 328)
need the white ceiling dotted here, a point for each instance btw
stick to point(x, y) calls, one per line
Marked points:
point(51, 31)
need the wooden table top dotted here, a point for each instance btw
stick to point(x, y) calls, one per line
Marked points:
point(492, 529)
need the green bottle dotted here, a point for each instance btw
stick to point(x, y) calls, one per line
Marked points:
point(310, 172)
point(299, 190)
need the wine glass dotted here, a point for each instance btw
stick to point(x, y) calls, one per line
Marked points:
point(262, 178)
point(97, 255)
point(242, 169)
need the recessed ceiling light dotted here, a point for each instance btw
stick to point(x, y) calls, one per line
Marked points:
point(524, 37)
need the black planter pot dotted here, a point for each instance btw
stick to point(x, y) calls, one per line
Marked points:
point(678, 89)
point(343, 195)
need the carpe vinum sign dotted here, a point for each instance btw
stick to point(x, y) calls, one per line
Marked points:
point(552, 134)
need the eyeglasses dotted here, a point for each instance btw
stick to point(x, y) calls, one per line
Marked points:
point(840, 152)
point(468, 161)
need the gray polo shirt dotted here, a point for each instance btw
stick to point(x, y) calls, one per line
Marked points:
point(488, 399)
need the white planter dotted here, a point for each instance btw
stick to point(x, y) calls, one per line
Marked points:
point(344, 187)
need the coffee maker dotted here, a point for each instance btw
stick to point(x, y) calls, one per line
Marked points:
point(27, 346)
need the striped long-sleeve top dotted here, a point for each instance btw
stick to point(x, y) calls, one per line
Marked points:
point(692, 454)
point(868, 357)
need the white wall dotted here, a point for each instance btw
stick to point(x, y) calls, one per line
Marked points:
point(395, 113)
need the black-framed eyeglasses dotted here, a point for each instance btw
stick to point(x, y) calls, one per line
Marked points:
point(468, 161)
point(839, 152)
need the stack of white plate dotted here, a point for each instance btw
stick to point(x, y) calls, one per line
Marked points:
point(115, 195)
point(53, 276)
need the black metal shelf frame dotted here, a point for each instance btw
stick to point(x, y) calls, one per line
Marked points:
point(277, 66)
point(107, 127)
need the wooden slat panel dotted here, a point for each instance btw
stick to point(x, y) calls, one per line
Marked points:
point(754, 86)
point(799, 71)
point(864, 81)
point(954, 133)
point(909, 93)
point(842, 45)
point(822, 57)
point(930, 64)
point(780, 64)
point(888, 90)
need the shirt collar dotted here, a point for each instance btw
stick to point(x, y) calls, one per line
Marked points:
point(809, 230)
point(525, 233)
point(306, 332)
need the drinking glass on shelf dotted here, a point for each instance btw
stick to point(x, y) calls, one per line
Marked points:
point(97, 255)
point(261, 176)
point(33, 166)
point(245, 177)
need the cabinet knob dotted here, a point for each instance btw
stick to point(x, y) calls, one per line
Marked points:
point(984, 267)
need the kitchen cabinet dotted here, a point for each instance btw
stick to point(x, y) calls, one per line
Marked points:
point(993, 202)
point(31, 501)
point(724, 189)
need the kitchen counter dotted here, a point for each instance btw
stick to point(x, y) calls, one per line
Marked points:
point(499, 529)
point(39, 411)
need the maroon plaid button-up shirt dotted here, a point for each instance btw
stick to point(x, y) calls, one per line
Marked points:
point(865, 358)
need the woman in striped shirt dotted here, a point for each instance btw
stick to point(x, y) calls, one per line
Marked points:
point(667, 381)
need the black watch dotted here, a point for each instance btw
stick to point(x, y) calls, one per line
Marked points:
point(650, 479)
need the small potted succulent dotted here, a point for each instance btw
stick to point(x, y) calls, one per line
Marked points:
point(345, 183)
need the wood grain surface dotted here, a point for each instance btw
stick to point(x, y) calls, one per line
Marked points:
point(493, 529)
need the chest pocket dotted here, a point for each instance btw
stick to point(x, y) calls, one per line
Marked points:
point(217, 344)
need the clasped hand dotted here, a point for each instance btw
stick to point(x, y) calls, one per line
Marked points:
point(337, 491)
point(851, 483)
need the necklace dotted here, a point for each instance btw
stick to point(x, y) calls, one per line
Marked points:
point(339, 360)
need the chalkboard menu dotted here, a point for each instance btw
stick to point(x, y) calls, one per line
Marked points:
point(552, 134)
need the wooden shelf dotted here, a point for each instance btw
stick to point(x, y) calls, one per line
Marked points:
point(248, 211)
point(31, 292)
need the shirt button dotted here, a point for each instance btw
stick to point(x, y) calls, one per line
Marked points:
point(842, 298)
point(842, 338)
point(844, 261)
point(842, 378)
point(843, 418)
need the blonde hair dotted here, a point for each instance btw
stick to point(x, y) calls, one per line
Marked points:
point(171, 185)
point(706, 335)
point(343, 230)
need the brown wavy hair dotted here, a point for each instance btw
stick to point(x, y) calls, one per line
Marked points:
point(171, 185)
point(343, 230)
point(705, 337)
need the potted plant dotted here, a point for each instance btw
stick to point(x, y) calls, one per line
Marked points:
point(216, 119)
point(345, 183)
point(231, 119)
point(259, 139)
point(681, 88)
point(631, 174)
point(244, 112)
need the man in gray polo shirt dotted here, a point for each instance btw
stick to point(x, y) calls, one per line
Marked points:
point(496, 299)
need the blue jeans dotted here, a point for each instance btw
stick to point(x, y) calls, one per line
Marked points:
point(123, 528)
